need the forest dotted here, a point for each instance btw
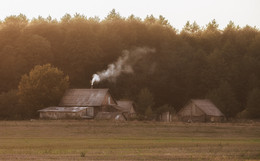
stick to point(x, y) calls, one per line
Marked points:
point(196, 62)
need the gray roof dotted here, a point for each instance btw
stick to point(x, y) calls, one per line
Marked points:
point(126, 106)
point(63, 109)
point(83, 97)
point(207, 107)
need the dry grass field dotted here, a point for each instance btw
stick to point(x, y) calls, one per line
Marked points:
point(97, 140)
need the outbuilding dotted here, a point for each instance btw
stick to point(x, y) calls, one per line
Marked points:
point(165, 117)
point(66, 113)
point(200, 110)
point(127, 107)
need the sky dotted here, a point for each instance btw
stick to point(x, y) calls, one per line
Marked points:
point(177, 12)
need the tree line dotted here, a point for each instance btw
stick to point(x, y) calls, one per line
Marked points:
point(196, 62)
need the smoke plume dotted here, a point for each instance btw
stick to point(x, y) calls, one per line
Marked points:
point(123, 64)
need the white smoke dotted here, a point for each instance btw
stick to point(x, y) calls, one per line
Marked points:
point(123, 64)
point(95, 78)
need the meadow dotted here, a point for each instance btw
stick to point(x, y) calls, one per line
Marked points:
point(71, 140)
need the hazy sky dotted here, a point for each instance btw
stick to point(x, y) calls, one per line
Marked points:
point(178, 12)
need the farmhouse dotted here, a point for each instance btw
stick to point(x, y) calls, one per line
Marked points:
point(81, 103)
point(200, 110)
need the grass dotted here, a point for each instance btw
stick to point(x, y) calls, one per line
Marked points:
point(97, 140)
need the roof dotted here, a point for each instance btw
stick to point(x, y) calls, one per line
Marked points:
point(126, 106)
point(83, 97)
point(63, 109)
point(207, 107)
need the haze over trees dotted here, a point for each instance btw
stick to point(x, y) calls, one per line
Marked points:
point(196, 62)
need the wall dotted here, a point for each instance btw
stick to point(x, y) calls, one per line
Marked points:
point(109, 109)
point(166, 117)
point(107, 98)
point(193, 118)
point(191, 113)
point(62, 115)
point(190, 109)
point(90, 111)
point(215, 118)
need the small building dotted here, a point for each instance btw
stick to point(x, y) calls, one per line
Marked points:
point(166, 117)
point(81, 103)
point(127, 107)
point(200, 110)
point(66, 112)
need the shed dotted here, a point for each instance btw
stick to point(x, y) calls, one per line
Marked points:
point(66, 112)
point(166, 117)
point(127, 107)
point(200, 110)
point(88, 101)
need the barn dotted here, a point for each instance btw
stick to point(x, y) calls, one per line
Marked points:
point(81, 103)
point(200, 110)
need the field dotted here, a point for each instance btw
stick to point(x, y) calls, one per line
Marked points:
point(98, 140)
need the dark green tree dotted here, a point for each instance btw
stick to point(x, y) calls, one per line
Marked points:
point(191, 28)
point(149, 113)
point(44, 86)
point(253, 103)
point(9, 106)
point(186, 65)
point(165, 108)
point(224, 98)
point(113, 15)
point(145, 102)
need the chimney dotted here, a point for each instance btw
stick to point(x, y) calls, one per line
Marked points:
point(91, 84)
